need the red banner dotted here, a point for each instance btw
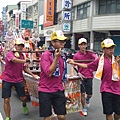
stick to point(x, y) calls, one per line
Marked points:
point(17, 21)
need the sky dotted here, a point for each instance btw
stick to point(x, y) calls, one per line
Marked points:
point(4, 3)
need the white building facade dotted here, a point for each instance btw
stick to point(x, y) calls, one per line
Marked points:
point(92, 19)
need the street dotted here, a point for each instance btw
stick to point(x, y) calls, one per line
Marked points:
point(94, 111)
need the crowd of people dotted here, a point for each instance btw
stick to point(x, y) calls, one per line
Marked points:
point(53, 76)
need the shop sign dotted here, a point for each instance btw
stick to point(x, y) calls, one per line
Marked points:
point(50, 10)
point(48, 13)
point(66, 4)
point(66, 26)
point(17, 21)
point(66, 15)
point(26, 24)
point(48, 32)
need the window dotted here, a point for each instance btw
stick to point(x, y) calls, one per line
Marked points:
point(118, 8)
point(35, 9)
point(102, 2)
point(97, 45)
point(83, 10)
point(98, 38)
point(118, 1)
point(109, 6)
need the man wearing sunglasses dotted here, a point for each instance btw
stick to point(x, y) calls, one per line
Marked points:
point(53, 75)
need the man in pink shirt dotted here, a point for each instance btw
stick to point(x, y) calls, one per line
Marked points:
point(110, 84)
point(13, 76)
point(53, 75)
point(86, 85)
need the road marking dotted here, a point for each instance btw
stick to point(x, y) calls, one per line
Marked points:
point(1, 118)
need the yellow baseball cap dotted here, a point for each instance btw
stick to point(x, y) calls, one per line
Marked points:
point(107, 43)
point(81, 40)
point(19, 41)
point(58, 35)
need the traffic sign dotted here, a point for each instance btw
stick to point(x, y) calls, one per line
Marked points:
point(26, 24)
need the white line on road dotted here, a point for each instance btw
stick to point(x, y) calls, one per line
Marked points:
point(1, 118)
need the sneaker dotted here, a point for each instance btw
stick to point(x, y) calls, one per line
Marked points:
point(25, 110)
point(83, 112)
point(7, 118)
point(87, 102)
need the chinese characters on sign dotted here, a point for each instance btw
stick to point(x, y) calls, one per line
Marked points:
point(66, 15)
point(50, 10)
point(67, 4)
point(26, 24)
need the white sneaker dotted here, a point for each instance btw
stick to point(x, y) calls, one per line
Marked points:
point(87, 102)
point(83, 112)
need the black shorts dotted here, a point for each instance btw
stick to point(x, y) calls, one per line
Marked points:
point(55, 100)
point(86, 86)
point(7, 86)
point(111, 103)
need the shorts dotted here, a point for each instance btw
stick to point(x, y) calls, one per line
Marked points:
point(7, 87)
point(86, 86)
point(55, 100)
point(111, 103)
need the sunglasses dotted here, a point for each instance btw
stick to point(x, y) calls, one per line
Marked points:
point(61, 41)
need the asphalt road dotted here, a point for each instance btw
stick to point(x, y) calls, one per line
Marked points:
point(94, 111)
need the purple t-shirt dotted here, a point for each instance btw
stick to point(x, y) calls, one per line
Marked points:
point(13, 71)
point(46, 83)
point(107, 85)
point(0, 50)
point(88, 73)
